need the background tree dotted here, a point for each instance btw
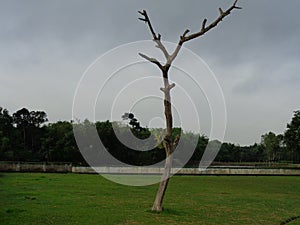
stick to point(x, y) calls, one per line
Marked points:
point(59, 145)
point(228, 153)
point(292, 137)
point(141, 157)
point(21, 120)
point(133, 122)
point(56, 142)
point(6, 134)
point(200, 148)
point(169, 143)
point(28, 125)
point(271, 143)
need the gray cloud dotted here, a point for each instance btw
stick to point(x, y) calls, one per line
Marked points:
point(47, 45)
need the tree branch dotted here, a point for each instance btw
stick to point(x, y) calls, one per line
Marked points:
point(168, 88)
point(156, 38)
point(147, 20)
point(153, 60)
point(184, 37)
point(204, 29)
point(204, 24)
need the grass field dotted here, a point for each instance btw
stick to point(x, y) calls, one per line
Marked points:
point(35, 198)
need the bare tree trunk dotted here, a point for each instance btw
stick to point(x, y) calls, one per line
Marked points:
point(157, 205)
point(168, 144)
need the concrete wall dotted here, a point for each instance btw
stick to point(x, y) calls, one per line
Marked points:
point(68, 168)
point(189, 171)
point(23, 167)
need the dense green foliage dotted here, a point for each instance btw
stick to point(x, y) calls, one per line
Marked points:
point(34, 198)
point(292, 136)
point(24, 136)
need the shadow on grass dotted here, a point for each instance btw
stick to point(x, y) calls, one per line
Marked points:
point(290, 220)
point(14, 211)
point(167, 211)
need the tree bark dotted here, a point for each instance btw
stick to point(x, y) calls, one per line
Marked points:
point(157, 205)
point(168, 145)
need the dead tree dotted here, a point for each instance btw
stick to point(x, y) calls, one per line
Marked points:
point(169, 144)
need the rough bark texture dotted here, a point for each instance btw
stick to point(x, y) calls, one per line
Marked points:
point(157, 205)
point(169, 144)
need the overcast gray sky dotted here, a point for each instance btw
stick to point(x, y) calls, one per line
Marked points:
point(45, 46)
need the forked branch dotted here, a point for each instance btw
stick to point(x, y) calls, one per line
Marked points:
point(156, 37)
point(204, 30)
point(167, 88)
point(184, 37)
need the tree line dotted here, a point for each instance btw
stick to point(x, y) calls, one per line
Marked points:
point(26, 136)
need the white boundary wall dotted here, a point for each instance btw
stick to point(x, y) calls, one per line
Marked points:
point(68, 168)
point(190, 171)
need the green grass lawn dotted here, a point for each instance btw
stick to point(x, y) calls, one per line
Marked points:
point(35, 198)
